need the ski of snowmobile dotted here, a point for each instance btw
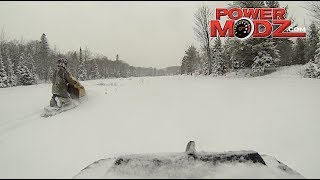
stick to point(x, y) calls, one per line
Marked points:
point(51, 111)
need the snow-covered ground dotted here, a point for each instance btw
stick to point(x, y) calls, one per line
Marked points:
point(276, 115)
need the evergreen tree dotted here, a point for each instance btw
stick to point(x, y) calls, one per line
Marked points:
point(272, 4)
point(82, 72)
point(284, 45)
point(261, 62)
point(183, 69)
point(219, 66)
point(246, 51)
point(229, 52)
point(95, 72)
point(190, 60)
point(317, 55)
point(3, 74)
point(248, 4)
point(12, 78)
point(300, 49)
point(312, 41)
point(207, 66)
point(286, 50)
point(236, 62)
point(44, 50)
point(24, 75)
point(30, 63)
point(217, 46)
point(312, 70)
point(73, 63)
point(243, 52)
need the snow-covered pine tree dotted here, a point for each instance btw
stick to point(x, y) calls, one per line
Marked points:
point(30, 63)
point(183, 68)
point(95, 72)
point(82, 72)
point(190, 61)
point(247, 50)
point(230, 50)
point(3, 74)
point(261, 62)
point(236, 61)
point(248, 4)
point(284, 45)
point(272, 4)
point(312, 68)
point(43, 56)
point(218, 65)
point(24, 75)
point(12, 78)
point(317, 55)
point(300, 49)
point(312, 41)
point(206, 66)
point(217, 44)
point(198, 67)
point(219, 68)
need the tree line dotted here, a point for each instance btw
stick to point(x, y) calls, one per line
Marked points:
point(215, 57)
point(32, 62)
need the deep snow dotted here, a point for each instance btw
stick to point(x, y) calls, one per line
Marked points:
point(276, 115)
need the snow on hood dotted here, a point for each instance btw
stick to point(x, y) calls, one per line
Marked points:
point(181, 166)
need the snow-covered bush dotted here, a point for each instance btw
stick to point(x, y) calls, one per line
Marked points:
point(236, 64)
point(262, 61)
point(219, 68)
point(3, 75)
point(12, 78)
point(311, 70)
point(24, 75)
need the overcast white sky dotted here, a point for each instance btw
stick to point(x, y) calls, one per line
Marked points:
point(143, 33)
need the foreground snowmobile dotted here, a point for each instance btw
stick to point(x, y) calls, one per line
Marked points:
point(77, 93)
point(191, 164)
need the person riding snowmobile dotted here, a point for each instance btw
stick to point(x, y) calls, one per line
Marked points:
point(60, 80)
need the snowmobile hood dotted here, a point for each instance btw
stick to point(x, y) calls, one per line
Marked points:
point(233, 164)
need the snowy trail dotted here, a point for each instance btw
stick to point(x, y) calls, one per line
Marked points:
point(10, 125)
point(275, 116)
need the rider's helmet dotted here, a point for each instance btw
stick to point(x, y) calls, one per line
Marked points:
point(62, 62)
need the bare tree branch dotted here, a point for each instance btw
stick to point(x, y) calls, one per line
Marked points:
point(314, 8)
point(202, 30)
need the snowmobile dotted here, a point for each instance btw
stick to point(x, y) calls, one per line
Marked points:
point(77, 93)
point(190, 164)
